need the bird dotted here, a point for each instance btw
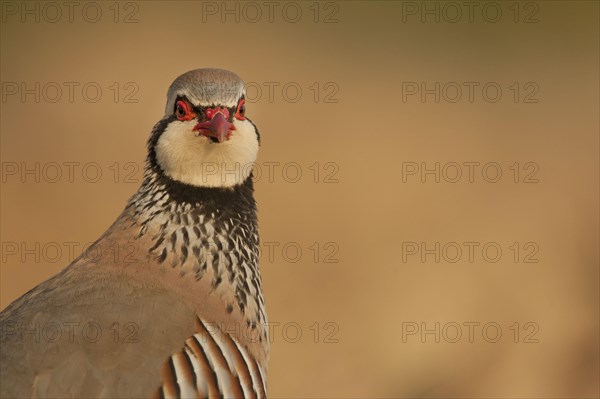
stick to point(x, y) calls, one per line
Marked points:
point(168, 302)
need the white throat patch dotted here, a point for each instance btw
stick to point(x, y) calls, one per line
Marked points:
point(196, 160)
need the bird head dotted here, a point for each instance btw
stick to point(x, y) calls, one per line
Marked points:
point(205, 138)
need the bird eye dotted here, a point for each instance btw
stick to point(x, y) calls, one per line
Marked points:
point(241, 111)
point(182, 112)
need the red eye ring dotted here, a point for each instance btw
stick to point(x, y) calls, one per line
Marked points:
point(182, 111)
point(241, 110)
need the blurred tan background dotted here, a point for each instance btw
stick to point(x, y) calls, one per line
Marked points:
point(355, 64)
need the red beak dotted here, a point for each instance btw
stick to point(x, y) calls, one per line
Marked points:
point(218, 127)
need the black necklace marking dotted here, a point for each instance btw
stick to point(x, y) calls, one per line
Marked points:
point(200, 228)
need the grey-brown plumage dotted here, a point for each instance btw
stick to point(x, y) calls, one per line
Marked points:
point(168, 302)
